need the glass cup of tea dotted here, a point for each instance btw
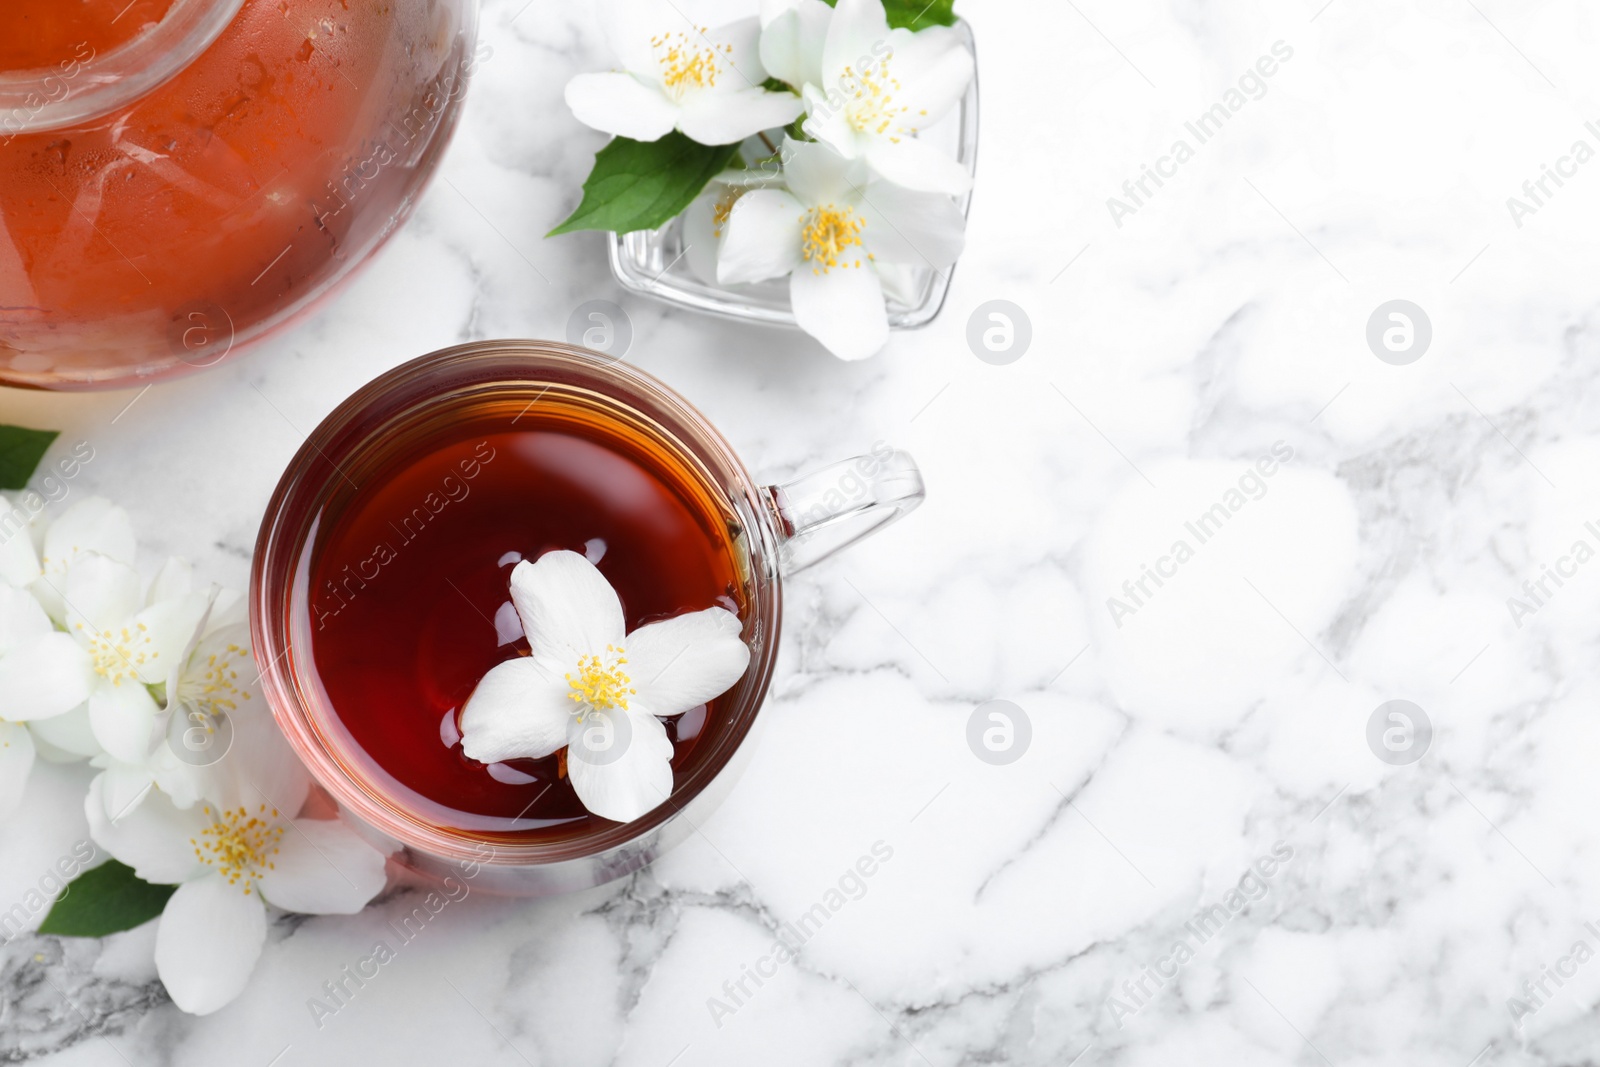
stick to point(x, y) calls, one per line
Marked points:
point(379, 595)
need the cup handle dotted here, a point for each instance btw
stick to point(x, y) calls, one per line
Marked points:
point(833, 508)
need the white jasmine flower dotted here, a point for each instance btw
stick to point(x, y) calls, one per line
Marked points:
point(879, 88)
point(38, 558)
point(124, 644)
point(596, 689)
point(676, 75)
point(94, 525)
point(230, 855)
point(211, 684)
point(37, 682)
point(830, 231)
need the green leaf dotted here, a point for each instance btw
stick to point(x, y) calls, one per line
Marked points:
point(916, 14)
point(639, 185)
point(103, 901)
point(21, 449)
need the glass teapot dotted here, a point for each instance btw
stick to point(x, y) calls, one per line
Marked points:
point(179, 178)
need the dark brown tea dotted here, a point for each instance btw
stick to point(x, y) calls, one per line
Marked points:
point(411, 605)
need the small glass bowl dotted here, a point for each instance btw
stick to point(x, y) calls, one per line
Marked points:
point(653, 261)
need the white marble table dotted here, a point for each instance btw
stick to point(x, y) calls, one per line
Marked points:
point(1174, 744)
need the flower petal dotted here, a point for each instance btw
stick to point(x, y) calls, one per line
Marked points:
point(683, 662)
point(100, 594)
point(185, 784)
point(19, 561)
point(123, 787)
point(827, 121)
point(728, 117)
point(856, 26)
point(230, 608)
point(818, 175)
point(92, 525)
point(152, 837)
point(622, 105)
point(791, 42)
point(50, 677)
point(224, 649)
point(123, 718)
point(519, 710)
point(622, 784)
point(259, 769)
point(16, 762)
point(761, 238)
point(164, 631)
point(933, 69)
point(65, 738)
point(208, 943)
point(922, 229)
point(174, 580)
point(323, 868)
point(916, 164)
point(737, 45)
point(568, 608)
point(22, 620)
point(842, 308)
point(700, 238)
point(771, 9)
point(629, 27)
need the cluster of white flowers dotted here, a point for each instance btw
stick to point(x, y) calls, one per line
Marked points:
point(853, 207)
point(155, 687)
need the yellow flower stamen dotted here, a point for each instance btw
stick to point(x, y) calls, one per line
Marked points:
point(600, 684)
point(872, 108)
point(827, 233)
point(686, 63)
point(240, 845)
point(118, 654)
point(214, 688)
point(723, 207)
